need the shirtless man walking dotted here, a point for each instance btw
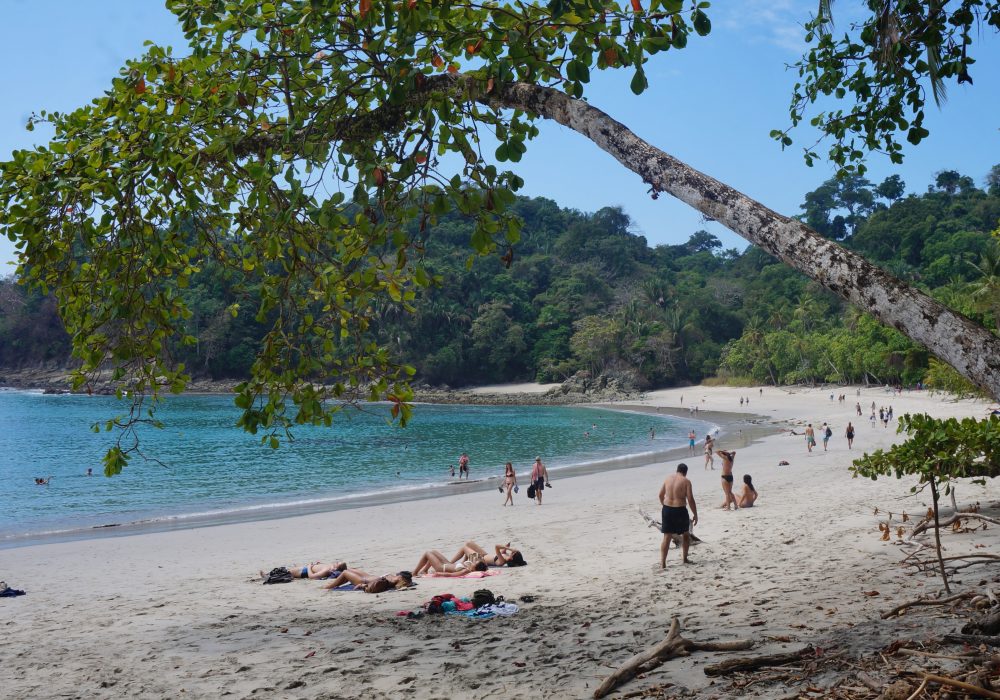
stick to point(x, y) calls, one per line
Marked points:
point(675, 497)
point(727, 478)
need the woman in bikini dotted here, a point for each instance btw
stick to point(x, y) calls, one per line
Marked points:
point(433, 562)
point(749, 494)
point(315, 570)
point(505, 555)
point(364, 581)
point(510, 481)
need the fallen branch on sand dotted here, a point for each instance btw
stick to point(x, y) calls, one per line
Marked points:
point(927, 601)
point(750, 663)
point(673, 645)
point(967, 687)
point(925, 525)
point(650, 522)
point(973, 639)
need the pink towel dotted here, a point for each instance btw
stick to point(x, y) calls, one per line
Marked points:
point(471, 574)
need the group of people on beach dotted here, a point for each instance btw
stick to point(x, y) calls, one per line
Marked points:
point(676, 496)
point(471, 557)
point(539, 482)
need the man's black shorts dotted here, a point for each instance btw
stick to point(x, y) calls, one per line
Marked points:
point(675, 520)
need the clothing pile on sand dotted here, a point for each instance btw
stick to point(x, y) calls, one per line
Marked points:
point(482, 605)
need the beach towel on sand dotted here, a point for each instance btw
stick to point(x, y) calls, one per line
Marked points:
point(471, 574)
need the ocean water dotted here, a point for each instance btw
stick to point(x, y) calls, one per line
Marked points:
point(201, 467)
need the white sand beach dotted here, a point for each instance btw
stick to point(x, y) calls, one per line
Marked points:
point(176, 614)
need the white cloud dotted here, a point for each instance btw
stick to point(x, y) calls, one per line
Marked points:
point(775, 22)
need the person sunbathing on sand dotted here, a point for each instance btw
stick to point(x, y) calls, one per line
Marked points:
point(372, 584)
point(749, 494)
point(505, 555)
point(433, 562)
point(317, 570)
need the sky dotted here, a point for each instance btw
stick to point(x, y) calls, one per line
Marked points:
point(711, 105)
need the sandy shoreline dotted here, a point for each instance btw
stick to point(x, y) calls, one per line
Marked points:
point(171, 613)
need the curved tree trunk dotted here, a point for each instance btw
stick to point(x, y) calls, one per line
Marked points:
point(955, 339)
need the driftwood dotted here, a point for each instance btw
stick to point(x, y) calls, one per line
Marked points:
point(973, 639)
point(673, 645)
point(927, 601)
point(967, 687)
point(928, 524)
point(753, 662)
point(651, 522)
point(986, 624)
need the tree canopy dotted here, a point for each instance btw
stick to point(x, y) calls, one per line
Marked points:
point(298, 139)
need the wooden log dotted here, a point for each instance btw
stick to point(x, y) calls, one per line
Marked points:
point(755, 662)
point(973, 639)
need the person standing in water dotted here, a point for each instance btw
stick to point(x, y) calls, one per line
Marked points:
point(691, 439)
point(463, 466)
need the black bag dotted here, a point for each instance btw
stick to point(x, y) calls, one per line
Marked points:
point(531, 491)
point(482, 597)
point(829, 433)
point(279, 575)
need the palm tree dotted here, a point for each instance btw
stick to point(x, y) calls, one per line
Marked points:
point(986, 290)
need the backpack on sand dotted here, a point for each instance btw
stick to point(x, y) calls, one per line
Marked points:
point(482, 597)
point(279, 575)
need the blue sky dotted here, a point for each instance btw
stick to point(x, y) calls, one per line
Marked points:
point(711, 105)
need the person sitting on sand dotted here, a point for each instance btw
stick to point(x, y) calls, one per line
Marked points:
point(364, 581)
point(749, 494)
point(433, 562)
point(505, 555)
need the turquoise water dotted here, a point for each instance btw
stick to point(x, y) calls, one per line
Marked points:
point(209, 468)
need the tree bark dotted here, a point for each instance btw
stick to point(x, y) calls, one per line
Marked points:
point(968, 347)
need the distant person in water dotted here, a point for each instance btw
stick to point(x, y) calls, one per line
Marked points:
point(42, 482)
point(510, 481)
point(727, 479)
point(749, 495)
point(504, 555)
point(463, 466)
point(433, 562)
point(90, 472)
point(364, 581)
point(675, 497)
point(452, 467)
